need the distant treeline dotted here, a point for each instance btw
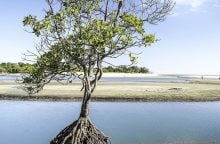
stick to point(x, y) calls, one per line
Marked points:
point(125, 69)
point(14, 67)
point(23, 67)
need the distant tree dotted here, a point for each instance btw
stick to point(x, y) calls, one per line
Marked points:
point(134, 69)
point(126, 69)
point(14, 67)
point(20, 64)
point(144, 70)
point(81, 34)
point(2, 70)
point(108, 69)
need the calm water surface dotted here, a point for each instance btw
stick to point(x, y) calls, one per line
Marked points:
point(118, 79)
point(125, 122)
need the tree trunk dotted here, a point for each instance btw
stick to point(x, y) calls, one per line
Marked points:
point(87, 95)
point(82, 131)
point(85, 106)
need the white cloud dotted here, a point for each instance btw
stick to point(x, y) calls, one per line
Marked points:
point(184, 7)
point(199, 6)
point(194, 4)
point(216, 5)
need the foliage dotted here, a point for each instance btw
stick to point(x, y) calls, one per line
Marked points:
point(82, 34)
point(15, 67)
point(125, 69)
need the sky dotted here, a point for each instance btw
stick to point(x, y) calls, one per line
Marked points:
point(189, 39)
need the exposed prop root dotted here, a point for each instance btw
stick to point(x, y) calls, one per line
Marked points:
point(81, 131)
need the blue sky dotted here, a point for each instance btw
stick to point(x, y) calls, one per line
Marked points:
point(189, 39)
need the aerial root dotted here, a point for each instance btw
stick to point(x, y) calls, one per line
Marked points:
point(81, 131)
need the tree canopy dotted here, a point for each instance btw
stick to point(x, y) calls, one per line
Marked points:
point(81, 34)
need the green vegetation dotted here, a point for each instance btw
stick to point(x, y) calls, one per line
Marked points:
point(25, 67)
point(125, 69)
point(14, 67)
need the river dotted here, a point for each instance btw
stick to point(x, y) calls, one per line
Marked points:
point(120, 79)
point(32, 122)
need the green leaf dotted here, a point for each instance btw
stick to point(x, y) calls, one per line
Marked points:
point(133, 58)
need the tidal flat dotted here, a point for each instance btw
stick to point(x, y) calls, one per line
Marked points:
point(195, 90)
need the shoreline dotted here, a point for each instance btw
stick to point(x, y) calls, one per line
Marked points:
point(141, 75)
point(95, 99)
point(108, 75)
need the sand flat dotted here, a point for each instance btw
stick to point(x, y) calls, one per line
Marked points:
point(146, 91)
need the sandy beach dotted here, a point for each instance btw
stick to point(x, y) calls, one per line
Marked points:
point(199, 90)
